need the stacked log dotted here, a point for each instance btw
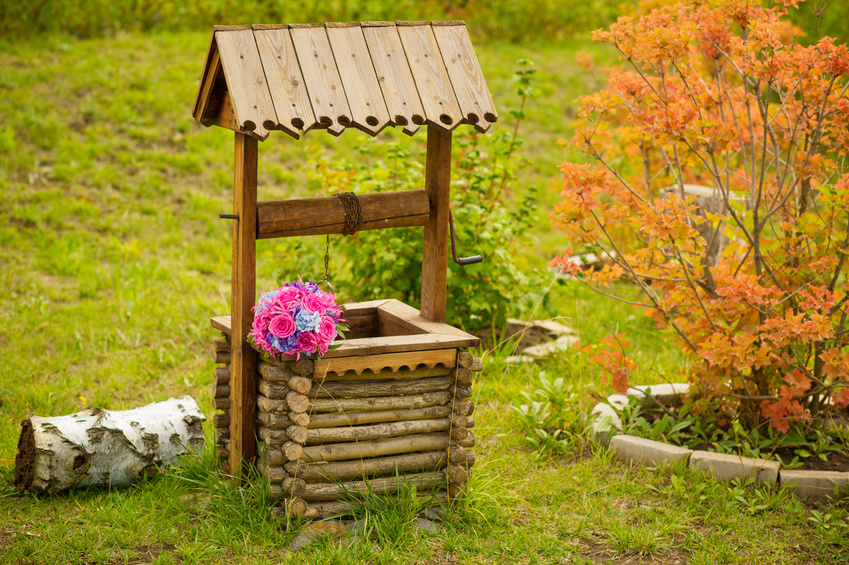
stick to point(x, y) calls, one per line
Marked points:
point(221, 399)
point(326, 440)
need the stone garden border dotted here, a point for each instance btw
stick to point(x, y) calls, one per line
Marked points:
point(608, 433)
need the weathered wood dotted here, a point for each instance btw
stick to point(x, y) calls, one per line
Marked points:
point(273, 436)
point(221, 403)
point(275, 374)
point(396, 80)
point(364, 389)
point(321, 78)
point(274, 421)
point(221, 375)
point(463, 376)
point(390, 344)
point(110, 448)
point(464, 359)
point(273, 390)
point(386, 485)
point(318, 421)
point(243, 368)
point(460, 392)
point(402, 375)
point(297, 402)
point(302, 367)
point(246, 81)
point(222, 452)
point(393, 361)
point(287, 487)
point(222, 357)
point(285, 82)
point(300, 418)
point(272, 406)
point(457, 474)
point(470, 421)
point(435, 251)
point(275, 473)
point(300, 384)
point(211, 66)
point(337, 508)
point(469, 440)
point(321, 406)
point(222, 344)
point(221, 391)
point(222, 436)
point(365, 468)
point(456, 491)
point(457, 454)
point(376, 448)
point(274, 457)
point(466, 77)
point(463, 407)
point(477, 365)
point(292, 451)
point(432, 82)
point(458, 433)
point(361, 326)
point(362, 90)
point(413, 322)
point(221, 323)
point(326, 215)
point(459, 420)
point(296, 508)
point(380, 431)
point(298, 434)
point(221, 421)
point(470, 459)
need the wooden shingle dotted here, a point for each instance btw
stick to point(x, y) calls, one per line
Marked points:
point(367, 75)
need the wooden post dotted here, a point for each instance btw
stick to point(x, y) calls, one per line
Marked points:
point(243, 363)
point(435, 254)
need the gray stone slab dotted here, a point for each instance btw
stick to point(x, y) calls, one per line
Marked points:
point(560, 345)
point(606, 423)
point(729, 467)
point(618, 401)
point(667, 394)
point(426, 526)
point(815, 484)
point(648, 452)
point(519, 359)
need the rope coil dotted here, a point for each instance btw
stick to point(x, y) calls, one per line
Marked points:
point(353, 212)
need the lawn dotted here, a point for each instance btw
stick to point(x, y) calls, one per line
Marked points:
point(114, 259)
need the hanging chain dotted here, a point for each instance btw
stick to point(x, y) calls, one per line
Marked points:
point(327, 260)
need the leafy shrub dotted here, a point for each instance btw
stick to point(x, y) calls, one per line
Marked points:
point(491, 218)
point(555, 417)
point(751, 277)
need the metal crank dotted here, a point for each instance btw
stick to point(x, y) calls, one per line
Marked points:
point(460, 260)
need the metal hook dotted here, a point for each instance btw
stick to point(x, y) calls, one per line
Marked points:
point(460, 260)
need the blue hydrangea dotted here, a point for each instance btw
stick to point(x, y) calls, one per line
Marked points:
point(307, 321)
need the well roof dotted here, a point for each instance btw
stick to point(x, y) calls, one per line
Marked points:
point(366, 75)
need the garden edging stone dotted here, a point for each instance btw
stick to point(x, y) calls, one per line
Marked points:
point(727, 467)
point(646, 451)
point(813, 484)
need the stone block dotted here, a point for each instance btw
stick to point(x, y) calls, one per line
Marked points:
point(815, 484)
point(640, 450)
point(729, 467)
point(606, 423)
point(553, 348)
point(667, 394)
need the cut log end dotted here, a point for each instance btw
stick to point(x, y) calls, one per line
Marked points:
point(25, 458)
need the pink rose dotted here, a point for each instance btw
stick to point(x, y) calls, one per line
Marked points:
point(282, 326)
point(308, 342)
point(329, 302)
point(313, 303)
point(286, 300)
point(326, 330)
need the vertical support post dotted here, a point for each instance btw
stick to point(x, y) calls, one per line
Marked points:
point(435, 254)
point(243, 361)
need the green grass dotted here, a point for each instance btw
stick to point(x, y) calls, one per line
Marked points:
point(114, 259)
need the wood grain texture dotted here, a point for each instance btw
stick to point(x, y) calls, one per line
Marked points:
point(378, 431)
point(285, 82)
point(394, 76)
point(466, 76)
point(336, 508)
point(392, 361)
point(358, 418)
point(338, 406)
point(376, 448)
point(382, 486)
point(435, 251)
point(366, 389)
point(243, 367)
point(366, 468)
point(432, 82)
point(246, 81)
point(311, 216)
point(402, 375)
point(365, 99)
point(412, 319)
point(212, 70)
point(321, 77)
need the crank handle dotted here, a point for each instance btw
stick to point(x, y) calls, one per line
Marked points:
point(460, 260)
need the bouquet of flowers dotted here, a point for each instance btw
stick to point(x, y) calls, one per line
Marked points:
point(297, 318)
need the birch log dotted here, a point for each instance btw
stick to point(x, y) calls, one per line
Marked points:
point(99, 447)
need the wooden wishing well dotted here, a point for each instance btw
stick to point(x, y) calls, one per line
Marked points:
point(391, 405)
